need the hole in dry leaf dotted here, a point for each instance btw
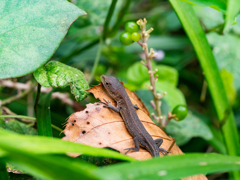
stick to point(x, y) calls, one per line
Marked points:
point(83, 132)
point(74, 121)
point(97, 104)
point(88, 122)
point(72, 124)
point(86, 111)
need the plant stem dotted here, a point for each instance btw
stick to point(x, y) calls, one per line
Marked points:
point(17, 96)
point(37, 98)
point(96, 61)
point(18, 116)
point(109, 16)
point(148, 56)
point(120, 17)
point(106, 31)
point(78, 51)
point(27, 117)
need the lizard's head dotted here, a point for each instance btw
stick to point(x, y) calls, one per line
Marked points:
point(111, 84)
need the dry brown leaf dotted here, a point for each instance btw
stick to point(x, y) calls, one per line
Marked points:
point(102, 127)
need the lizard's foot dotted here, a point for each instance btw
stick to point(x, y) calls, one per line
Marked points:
point(132, 149)
point(163, 151)
point(107, 103)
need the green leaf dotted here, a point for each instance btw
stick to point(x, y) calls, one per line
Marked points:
point(191, 126)
point(18, 127)
point(162, 43)
point(167, 74)
point(146, 96)
point(210, 18)
point(138, 73)
point(196, 34)
point(226, 52)
point(44, 115)
point(219, 5)
point(48, 145)
point(170, 167)
point(57, 74)
point(30, 33)
point(173, 97)
point(232, 11)
point(49, 167)
point(227, 79)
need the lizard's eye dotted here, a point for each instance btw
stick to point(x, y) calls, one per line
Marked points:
point(106, 83)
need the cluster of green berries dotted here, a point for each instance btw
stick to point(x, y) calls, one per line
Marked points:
point(180, 112)
point(131, 34)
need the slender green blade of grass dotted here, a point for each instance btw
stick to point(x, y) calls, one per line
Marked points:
point(233, 7)
point(197, 36)
point(170, 167)
point(44, 116)
point(47, 145)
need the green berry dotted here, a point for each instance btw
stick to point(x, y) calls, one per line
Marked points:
point(131, 27)
point(125, 38)
point(180, 111)
point(135, 36)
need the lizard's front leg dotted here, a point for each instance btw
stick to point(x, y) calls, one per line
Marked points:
point(109, 105)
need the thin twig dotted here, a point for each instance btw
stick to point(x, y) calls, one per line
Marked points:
point(17, 96)
point(78, 51)
point(27, 117)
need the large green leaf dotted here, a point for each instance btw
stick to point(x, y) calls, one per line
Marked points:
point(170, 167)
point(219, 5)
point(56, 74)
point(191, 126)
point(31, 31)
point(48, 145)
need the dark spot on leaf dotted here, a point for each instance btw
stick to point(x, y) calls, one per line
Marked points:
point(108, 132)
point(102, 116)
point(86, 111)
point(83, 132)
point(72, 124)
point(97, 104)
point(100, 143)
point(88, 122)
point(74, 121)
